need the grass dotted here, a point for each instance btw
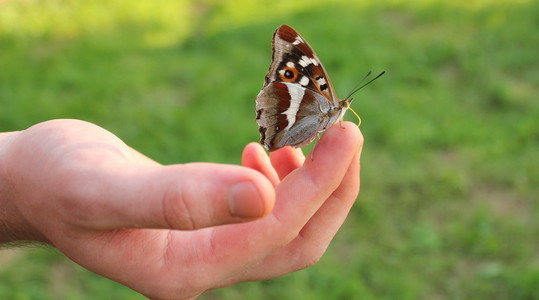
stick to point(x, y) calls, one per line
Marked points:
point(450, 169)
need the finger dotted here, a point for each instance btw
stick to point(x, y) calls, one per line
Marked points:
point(286, 160)
point(185, 197)
point(255, 157)
point(319, 177)
point(299, 196)
point(349, 187)
point(323, 226)
point(316, 235)
point(331, 215)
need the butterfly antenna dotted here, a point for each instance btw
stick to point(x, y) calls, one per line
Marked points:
point(359, 86)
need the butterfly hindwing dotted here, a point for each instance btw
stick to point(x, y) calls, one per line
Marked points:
point(289, 114)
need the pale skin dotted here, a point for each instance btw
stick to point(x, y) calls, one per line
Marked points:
point(174, 232)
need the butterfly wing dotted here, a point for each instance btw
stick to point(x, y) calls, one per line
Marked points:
point(295, 61)
point(289, 114)
point(298, 99)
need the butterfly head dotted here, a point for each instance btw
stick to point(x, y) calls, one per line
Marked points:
point(346, 105)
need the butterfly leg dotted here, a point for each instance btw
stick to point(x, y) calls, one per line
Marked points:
point(316, 144)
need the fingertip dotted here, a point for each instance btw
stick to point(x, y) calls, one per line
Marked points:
point(252, 148)
point(334, 152)
point(252, 197)
point(344, 137)
point(349, 129)
point(266, 192)
point(255, 157)
point(251, 153)
point(247, 200)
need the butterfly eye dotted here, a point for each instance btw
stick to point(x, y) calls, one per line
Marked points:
point(288, 74)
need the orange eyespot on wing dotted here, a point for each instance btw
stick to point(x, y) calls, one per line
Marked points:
point(288, 74)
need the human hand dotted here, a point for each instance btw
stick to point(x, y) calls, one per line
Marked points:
point(154, 228)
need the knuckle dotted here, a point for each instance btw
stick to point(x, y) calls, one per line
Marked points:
point(177, 209)
point(77, 194)
point(285, 234)
point(311, 259)
point(308, 254)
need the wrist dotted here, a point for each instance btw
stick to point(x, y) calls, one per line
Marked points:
point(13, 226)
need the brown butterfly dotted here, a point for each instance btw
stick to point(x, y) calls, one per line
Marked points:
point(298, 100)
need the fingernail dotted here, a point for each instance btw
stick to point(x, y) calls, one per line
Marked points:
point(244, 201)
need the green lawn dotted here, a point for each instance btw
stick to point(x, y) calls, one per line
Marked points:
point(448, 207)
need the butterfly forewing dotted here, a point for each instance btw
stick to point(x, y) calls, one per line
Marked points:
point(297, 56)
point(298, 99)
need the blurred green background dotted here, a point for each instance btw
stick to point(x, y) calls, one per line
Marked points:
point(450, 168)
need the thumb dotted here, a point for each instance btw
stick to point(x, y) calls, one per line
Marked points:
point(189, 196)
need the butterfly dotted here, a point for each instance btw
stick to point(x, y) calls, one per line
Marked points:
point(298, 100)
